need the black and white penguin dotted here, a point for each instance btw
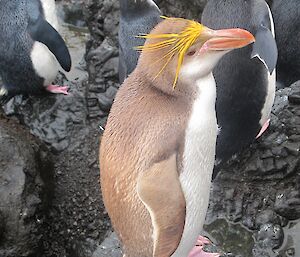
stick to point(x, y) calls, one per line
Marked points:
point(136, 17)
point(245, 78)
point(287, 27)
point(31, 49)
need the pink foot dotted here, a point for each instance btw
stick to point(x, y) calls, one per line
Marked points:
point(263, 128)
point(197, 251)
point(55, 89)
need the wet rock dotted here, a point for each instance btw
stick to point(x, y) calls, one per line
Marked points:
point(231, 237)
point(25, 190)
point(110, 247)
point(270, 236)
point(268, 239)
point(287, 203)
point(83, 249)
point(51, 118)
point(291, 246)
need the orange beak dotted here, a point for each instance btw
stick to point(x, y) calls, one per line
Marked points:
point(227, 39)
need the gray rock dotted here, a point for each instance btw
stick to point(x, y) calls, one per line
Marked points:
point(110, 247)
point(25, 184)
point(287, 203)
point(51, 118)
point(71, 12)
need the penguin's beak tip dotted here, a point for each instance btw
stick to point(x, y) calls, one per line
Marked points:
point(229, 39)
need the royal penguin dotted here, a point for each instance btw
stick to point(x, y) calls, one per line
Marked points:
point(158, 149)
point(246, 78)
point(287, 27)
point(136, 17)
point(31, 49)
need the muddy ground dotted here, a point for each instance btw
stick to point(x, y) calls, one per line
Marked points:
point(255, 201)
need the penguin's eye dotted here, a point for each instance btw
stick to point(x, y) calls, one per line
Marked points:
point(191, 53)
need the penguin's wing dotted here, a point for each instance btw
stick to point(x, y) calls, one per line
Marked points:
point(160, 190)
point(265, 47)
point(40, 30)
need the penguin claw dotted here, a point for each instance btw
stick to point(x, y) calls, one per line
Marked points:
point(57, 89)
point(198, 251)
point(263, 128)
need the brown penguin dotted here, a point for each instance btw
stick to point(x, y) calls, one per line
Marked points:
point(158, 149)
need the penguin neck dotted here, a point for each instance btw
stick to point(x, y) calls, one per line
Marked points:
point(206, 86)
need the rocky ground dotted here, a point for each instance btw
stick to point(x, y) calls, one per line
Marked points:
point(50, 202)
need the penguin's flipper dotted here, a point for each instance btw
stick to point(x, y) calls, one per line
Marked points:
point(40, 30)
point(265, 48)
point(160, 191)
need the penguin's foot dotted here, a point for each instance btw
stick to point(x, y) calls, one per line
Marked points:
point(263, 128)
point(197, 251)
point(55, 89)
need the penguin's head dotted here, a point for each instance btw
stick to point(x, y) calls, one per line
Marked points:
point(183, 51)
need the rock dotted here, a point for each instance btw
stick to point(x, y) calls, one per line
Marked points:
point(25, 187)
point(83, 249)
point(110, 247)
point(71, 12)
point(51, 118)
point(270, 236)
point(287, 203)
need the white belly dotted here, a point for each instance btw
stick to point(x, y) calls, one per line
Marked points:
point(44, 62)
point(198, 162)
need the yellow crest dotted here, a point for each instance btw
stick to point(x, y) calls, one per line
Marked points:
point(178, 44)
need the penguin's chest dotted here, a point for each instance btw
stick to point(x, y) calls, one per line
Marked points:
point(198, 162)
point(44, 62)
